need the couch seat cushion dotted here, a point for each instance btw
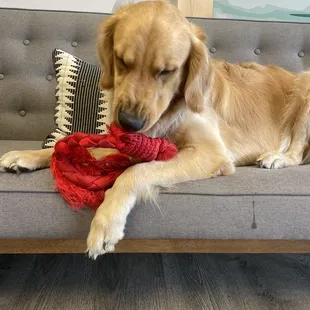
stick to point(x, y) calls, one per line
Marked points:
point(251, 204)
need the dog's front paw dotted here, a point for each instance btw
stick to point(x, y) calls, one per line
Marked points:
point(17, 161)
point(28, 160)
point(103, 235)
point(272, 160)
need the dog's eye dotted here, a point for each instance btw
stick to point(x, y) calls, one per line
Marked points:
point(121, 61)
point(165, 72)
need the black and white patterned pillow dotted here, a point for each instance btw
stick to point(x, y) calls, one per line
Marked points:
point(81, 105)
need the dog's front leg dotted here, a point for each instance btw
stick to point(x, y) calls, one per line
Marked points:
point(194, 163)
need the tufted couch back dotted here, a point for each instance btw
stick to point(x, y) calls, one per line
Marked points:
point(27, 39)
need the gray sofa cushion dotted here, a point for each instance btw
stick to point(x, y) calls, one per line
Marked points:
point(252, 204)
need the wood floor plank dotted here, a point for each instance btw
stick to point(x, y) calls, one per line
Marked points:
point(229, 287)
point(283, 281)
point(155, 281)
point(14, 271)
point(143, 284)
point(182, 288)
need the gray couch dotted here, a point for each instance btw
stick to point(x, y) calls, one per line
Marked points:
point(253, 210)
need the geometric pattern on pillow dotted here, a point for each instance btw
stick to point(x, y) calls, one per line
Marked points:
point(81, 106)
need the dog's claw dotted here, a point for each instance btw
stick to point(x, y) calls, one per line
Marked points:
point(23, 169)
point(10, 170)
point(260, 164)
point(16, 169)
point(105, 246)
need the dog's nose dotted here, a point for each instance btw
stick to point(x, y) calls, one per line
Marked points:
point(129, 121)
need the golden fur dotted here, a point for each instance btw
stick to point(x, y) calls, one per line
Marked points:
point(220, 115)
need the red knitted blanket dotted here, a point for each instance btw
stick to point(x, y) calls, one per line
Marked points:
point(82, 179)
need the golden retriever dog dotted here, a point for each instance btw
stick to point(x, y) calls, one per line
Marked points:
point(165, 84)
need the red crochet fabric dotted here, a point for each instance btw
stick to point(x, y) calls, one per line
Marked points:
point(82, 179)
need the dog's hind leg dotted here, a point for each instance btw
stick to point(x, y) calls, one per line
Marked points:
point(295, 129)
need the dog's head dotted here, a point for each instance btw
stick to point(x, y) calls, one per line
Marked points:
point(150, 54)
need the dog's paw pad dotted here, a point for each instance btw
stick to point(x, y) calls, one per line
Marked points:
point(271, 161)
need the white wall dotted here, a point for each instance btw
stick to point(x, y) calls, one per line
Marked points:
point(104, 6)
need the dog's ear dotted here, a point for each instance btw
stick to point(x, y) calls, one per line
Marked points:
point(105, 43)
point(199, 33)
point(197, 76)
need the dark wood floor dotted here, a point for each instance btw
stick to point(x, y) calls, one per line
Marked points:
point(155, 281)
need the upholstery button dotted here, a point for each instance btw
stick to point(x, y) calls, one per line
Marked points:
point(26, 42)
point(212, 50)
point(74, 44)
point(1, 76)
point(49, 77)
point(22, 113)
point(301, 54)
point(257, 51)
